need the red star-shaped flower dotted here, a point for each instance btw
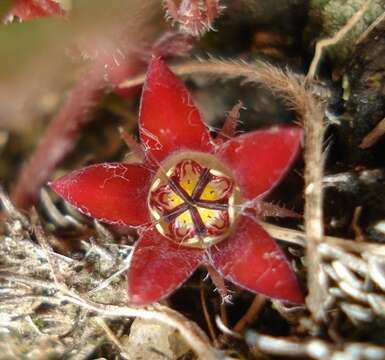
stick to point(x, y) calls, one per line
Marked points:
point(189, 197)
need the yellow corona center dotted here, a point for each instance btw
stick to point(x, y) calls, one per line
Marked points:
point(193, 200)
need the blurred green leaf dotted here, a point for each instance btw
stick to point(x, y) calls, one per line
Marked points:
point(21, 43)
point(91, 23)
point(5, 5)
point(41, 57)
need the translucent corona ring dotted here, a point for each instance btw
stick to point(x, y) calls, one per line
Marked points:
point(193, 200)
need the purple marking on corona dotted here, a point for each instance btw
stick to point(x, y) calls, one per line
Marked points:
point(192, 202)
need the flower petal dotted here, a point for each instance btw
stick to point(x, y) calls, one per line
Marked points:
point(158, 267)
point(169, 120)
point(109, 192)
point(251, 259)
point(260, 158)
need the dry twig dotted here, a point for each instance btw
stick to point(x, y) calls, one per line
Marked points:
point(374, 135)
point(372, 26)
point(314, 134)
point(112, 337)
point(207, 315)
point(251, 314)
point(315, 349)
point(321, 44)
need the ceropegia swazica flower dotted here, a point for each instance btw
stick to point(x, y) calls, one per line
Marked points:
point(190, 196)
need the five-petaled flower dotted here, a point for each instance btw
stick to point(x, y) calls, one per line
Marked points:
point(189, 198)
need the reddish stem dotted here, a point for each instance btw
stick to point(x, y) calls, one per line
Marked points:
point(133, 145)
point(228, 130)
point(265, 209)
point(251, 314)
point(219, 283)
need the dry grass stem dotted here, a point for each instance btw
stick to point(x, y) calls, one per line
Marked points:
point(251, 314)
point(212, 67)
point(43, 242)
point(112, 337)
point(372, 26)
point(225, 330)
point(298, 237)
point(207, 316)
point(11, 210)
point(374, 135)
point(314, 349)
point(321, 44)
point(358, 234)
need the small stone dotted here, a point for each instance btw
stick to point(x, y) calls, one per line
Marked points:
point(150, 340)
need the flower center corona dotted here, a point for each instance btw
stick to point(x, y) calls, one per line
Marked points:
point(193, 200)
